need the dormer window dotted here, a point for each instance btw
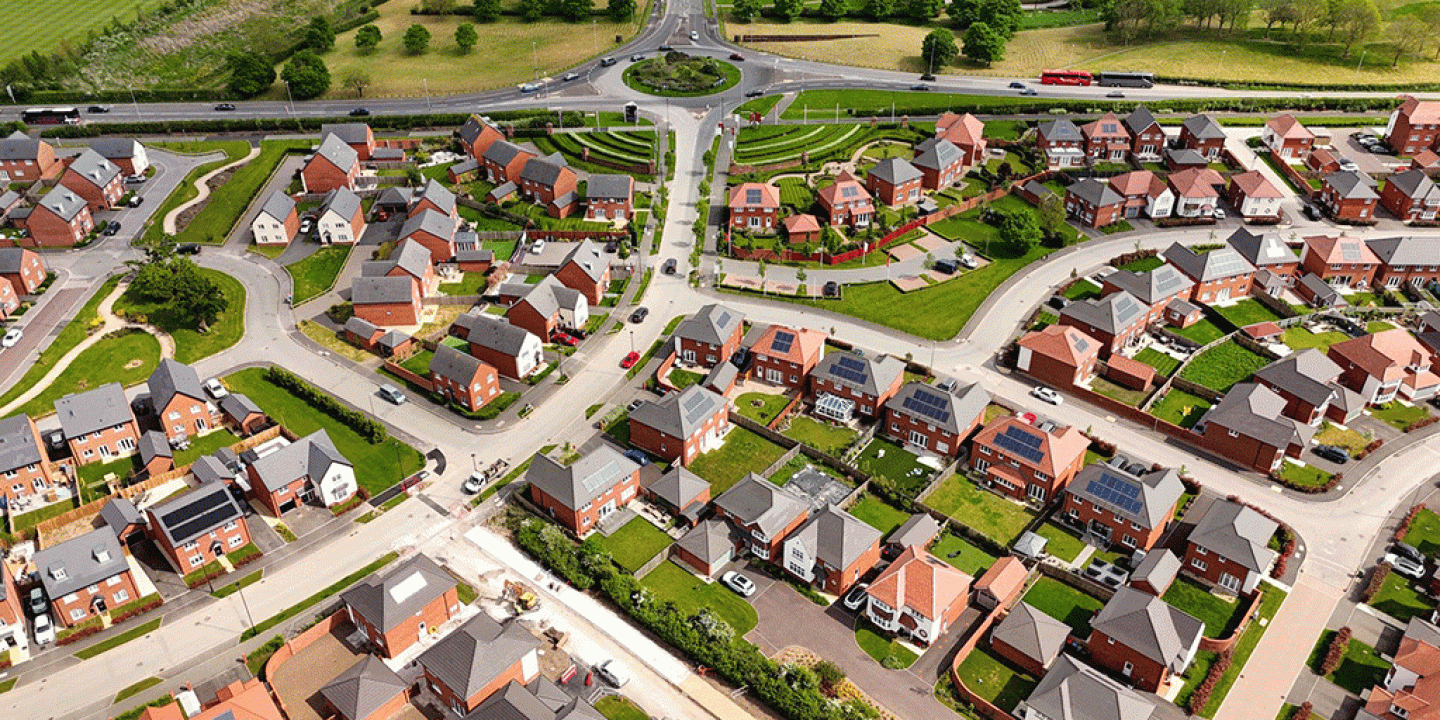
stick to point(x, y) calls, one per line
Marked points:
point(102, 554)
point(57, 572)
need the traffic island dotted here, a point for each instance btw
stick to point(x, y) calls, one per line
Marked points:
point(675, 74)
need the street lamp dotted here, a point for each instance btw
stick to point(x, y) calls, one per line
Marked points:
point(425, 82)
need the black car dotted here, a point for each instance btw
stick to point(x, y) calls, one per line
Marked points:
point(112, 228)
point(832, 289)
point(1017, 85)
point(1058, 301)
point(225, 107)
point(754, 93)
point(927, 77)
point(187, 249)
point(669, 267)
point(1311, 212)
point(666, 48)
point(1333, 454)
point(920, 88)
point(360, 112)
point(741, 359)
point(612, 246)
point(1407, 551)
point(99, 108)
point(639, 315)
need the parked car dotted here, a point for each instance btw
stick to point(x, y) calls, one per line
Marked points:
point(743, 586)
point(215, 389)
point(135, 201)
point(607, 61)
point(570, 76)
point(638, 456)
point(669, 267)
point(12, 337)
point(694, 35)
point(44, 629)
point(473, 483)
point(613, 672)
point(565, 339)
point(225, 107)
point(1333, 453)
point(1311, 212)
point(921, 87)
point(1218, 213)
point(1047, 394)
point(538, 246)
point(99, 108)
point(305, 225)
point(637, 402)
point(947, 266)
point(639, 315)
point(1058, 301)
point(754, 93)
point(832, 288)
point(741, 359)
point(134, 179)
point(111, 228)
point(360, 112)
point(969, 261)
point(948, 384)
point(1407, 550)
point(637, 57)
point(1106, 573)
point(37, 601)
point(1405, 566)
point(856, 597)
point(612, 247)
point(737, 57)
point(187, 249)
point(631, 358)
point(392, 393)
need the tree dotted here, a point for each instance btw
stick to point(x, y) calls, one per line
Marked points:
point(1408, 36)
point(1002, 15)
point(319, 35)
point(1021, 230)
point(177, 283)
point(983, 44)
point(367, 38)
point(878, 9)
point(830, 676)
point(1303, 14)
point(250, 74)
point(923, 9)
point(620, 10)
point(487, 11)
point(437, 7)
point(357, 80)
point(746, 10)
point(575, 10)
point(832, 9)
point(306, 74)
point(1357, 20)
point(1051, 214)
point(532, 10)
point(789, 9)
point(417, 39)
point(938, 48)
point(1276, 11)
point(465, 37)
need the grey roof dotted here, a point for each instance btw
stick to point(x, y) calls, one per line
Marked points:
point(454, 364)
point(464, 166)
point(19, 146)
point(386, 600)
point(1181, 307)
point(1261, 249)
point(1072, 690)
point(80, 562)
point(1306, 374)
point(339, 154)
point(939, 155)
point(209, 469)
point(1412, 182)
point(723, 375)
point(8, 198)
point(18, 444)
point(392, 339)
point(239, 406)
point(439, 195)
point(512, 702)
point(868, 374)
point(679, 487)
point(1219, 263)
point(1159, 568)
point(755, 501)
point(481, 255)
point(115, 147)
point(309, 456)
point(363, 688)
point(547, 296)
point(502, 190)
point(430, 221)
point(278, 206)
point(1146, 499)
point(1203, 127)
point(1185, 157)
point(587, 256)
point(412, 257)
point(1406, 251)
point(1038, 190)
point(589, 477)
point(1096, 193)
point(394, 195)
point(1236, 532)
point(348, 132)
point(476, 653)
point(173, 378)
point(948, 410)
point(920, 529)
point(196, 513)
point(1320, 289)
point(1037, 635)
point(609, 186)
point(471, 129)
point(680, 415)
point(895, 171)
point(502, 152)
point(1351, 185)
point(364, 290)
point(343, 202)
point(98, 409)
point(712, 324)
point(1255, 412)
point(1061, 130)
point(63, 202)
point(1150, 626)
point(566, 200)
point(712, 541)
point(94, 168)
point(120, 513)
point(835, 537)
point(1139, 120)
point(1113, 313)
point(493, 333)
point(360, 326)
point(153, 444)
point(1152, 286)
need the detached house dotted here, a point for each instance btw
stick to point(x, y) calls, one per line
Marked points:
point(783, 356)
point(1229, 548)
point(1144, 193)
point(934, 420)
point(61, 219)
point(832, 550)
point(179, 402)
point(1349, 197)
point(966, 132)
point(1122, 504)
point(1059, 695)
point(894, 181)
point(1308, 382)
point(609, 197)
point(586, 271)
point(23, 268)
point(342, 218)
point(585, 492)
point(1406, 260)
point(95, 179)
point(1147, 138)
point(1267, 252)
point(26, 159)
point(129, 155)
point(1025, 462)
point(476, 136)
point(198, 527)
point(1409, 690)
point(1094, 203)
point(433, 196)
point(681, 426)
point(1411, 195)
point(463, 379)
point(550, 182)
point(1197, 192)
point(277, 222)
point(1255, 197)
point(1219, 275)
point(97, 424)
point(1203, 135)
point(940, 163)
point(433, 229)
point(334, 165)
point(310, 469)
point(1058, 355)
point(514, 351)
point(1413, 126)
point(1386, 365)
point(22, 460)
point(1340, 261)
point(86, 576)
point(846, 202)
point(1143, 639)
point(386, 301)
point(1115, 321)
point(545, 307)
point(763, 512)
point(1286, 137)
point(754, 206)
point(867, 381)
point(918, 595)
point(1106, 139)
point(478, 660)
point(710, 336)
point(1061, 143)
point(1248, 427)
point(1029, 638)
point(398, 608)
point(357, 135)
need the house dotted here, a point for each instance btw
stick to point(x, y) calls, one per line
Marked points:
point(1307, 380)
point(801, 228)
point(409, 260)
point(1411, 195)
point(1340, 261)
point(1156, 572)
point(464, 379)
point(1154, 288)
point(1229, 547)
point(1413, 126)
point(179, 402)
point(683, 493)
point(1147, 138)
point(1114, 503)
point(868, 381)
point(920, 530)
point(308, 470)
point(477, 135)
point(1248, 428)
point(477, 660)
point(1426, 161)
point(784, 356)
point(395, 610)
point(586, 271)
point(61, 219)
point(9, 203)
point(342, 218)
point(433, 229)
point(1058, 355)
point(832, 550)
point(334, 165)
point(9, 301)
point(156, 455)
point(1001, 584)
point(940, 162)
point(1106, 139)
point(464, 172)
point(707, 547)
point(1255, 197)
point(1058, 696)
point(242, 413)
point(846, 202)
point(894, 181)
point(1385, 366)
point(1197, 192)
point(366, 690)
point(710, 336)
point(1178, 159)
point(386, 301)
point(433, 196)
point(12, 615)
point(86, 576)
point(540, 700)
point(1114, 321)
point(1144, 193)
point(1409, 690)
point(545, 307)
point(1143, 638)
point(1349, 197)
point(609, 197)
point(364, 334)
point(1025, 462)
point(1094, 203)
point(277, 222)
point(1203, 135)
point(549, 181)
point(754, 206)
point(1061, 143)
point(918, 595)
point(97, 424)
point(1029, 638)
point(1406, 260)
point(1286, 137)
point(1219, 275)
point(504, 161)
point(585, 492)
point(198, 527)
point(1322, 160)
point(26, 159)
point(1266, 251)
point(127, 154)
point(932, 420)
point(357, 135)
point(514, 351)
point(681, 426)
point(966, 132)
point(764, 513)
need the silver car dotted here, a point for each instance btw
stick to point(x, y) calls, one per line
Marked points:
point(743, 586)
point(1405, 566)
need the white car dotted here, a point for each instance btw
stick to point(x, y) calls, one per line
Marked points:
point(1406, 566)
point(1048, 395)
point(1219, 213)
point(44, 629)
point(694, 35)
point(969, 261)
point(12, 337)
point(215, 389)
point(538, 247)
point(743, 586)
point(613, 672)
point(856, 597)
point(473, 483)
point(305, 225)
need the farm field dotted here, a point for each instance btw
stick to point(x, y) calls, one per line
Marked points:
point(42, 25)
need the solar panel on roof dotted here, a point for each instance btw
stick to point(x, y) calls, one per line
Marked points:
point(1115, 491)
point(724, 318)
point(195, 517)
point(929, 405)
point(1110, 128)
point(1023, 437)
point(696, 408)
point(850, 369)
point(753, 195)
point(1350, 252)
point(783, 341)
point(1081, 344)
point(601, 477)
point(1009, 444)
point(1168, 281)
point(848, 191)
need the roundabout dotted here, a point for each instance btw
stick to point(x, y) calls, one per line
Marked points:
point(676, 74)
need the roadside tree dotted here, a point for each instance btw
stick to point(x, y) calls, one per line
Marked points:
point(938, 48)
point(320, 35)
point(620, 10)
point(417, 39)
point(307, 75)
point(357, 80)
point(984, 44)
point(832, 9)
point(465, 37)
point(487, 11)
point(250, 74)
point(746, 10)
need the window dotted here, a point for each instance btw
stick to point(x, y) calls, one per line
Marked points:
point(1198, 564)
point(77, 614)
point(1127, 541)
point(236, 541)
point(196, 560)
point(72, 597)
point(122, 595)
point(191, 545)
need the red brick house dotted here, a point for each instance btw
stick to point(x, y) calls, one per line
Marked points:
point(869, 381)
point(965, 132)
point(476, 136)
point(801, 228)
point(463, 378)
point(179, 402)
point(586, 271)
point(893, 181)
point(1406, 260)
point(1266, 251)
point(198, 527)
point(1322, 160)
point(1308, 380)
point(1286, 137)
point(1229, 548)
point(1061, 143)
point(754, 207)
point(609, 197)
point(86, 576)
point(504, 161)
point(433, 229)
point(26, 468)
point(1025, 462)
point(918, 595)
point(1144, 193)
point(12, 615)
point(308, 471)
point(26, 159)
point(94, 178)
point(334, 165)
point(832, 550)
point(1413, 126)
point(433, 196)
point(1093, 203)
point(478, 660)
point(681, 426)
point(1385, 366)
point(128, 154)
point(549, 181)
point(513, 351)
point(1203, 135)
point(783, 356)
point(1115, 321)
point(846, 202)
point(1126, 506)
point(1029, 638)
point(1147, 138)
point(1349, 197)
point(1197, 192)
point(763, 513)
point(395, 610)
point(1411, 196)
point(357, 135)
point(707, 547)
point(1248, 428)
point(61, 219)
point(1106, 139)
point(933, 420)
point(585, 492)
point(1254, 197)
point(545, 308)
point(710, 336)
point(9, 301)
point(1058, 355)
point(386, 301)
point(941, 163)
point(1219, 275)
point(1153, 288)
point(1340, 261)
point(97, 424)
point(1143, 639)
point(409, 260)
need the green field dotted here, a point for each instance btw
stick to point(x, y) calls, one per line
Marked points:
point(742, 453)
point(672, 583)
point(315, 275)
point(233, 149)
point(44, 25)
point(127, 357)
point(1180, 408)
point(985, 512)
point(1224, 365)
point(71, 335)
point(634, 543)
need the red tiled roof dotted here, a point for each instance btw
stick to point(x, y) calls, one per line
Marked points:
point(829, 195)
point(1286, 126)
point(1386, 354)
point(921, 582)
point(1262, 330)
point(1132, 183)
point(807, 345)
point(1095, 130)
point(1005, 578)
point(1425, 159)
point(960, 129)
point(1420, 111)
point(769, 198)
point(1063, 343)
point(801, 223)
point(1196, 183)
point(1058, 449)
point(1254, 185)
point(1332, 250)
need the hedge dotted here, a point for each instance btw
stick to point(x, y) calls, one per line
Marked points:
point(1422, 422)
point(366, 427)
point(1404, 528)
point(1202, 693)
point(1370, 448)
point(521, 119)
point(91, 626)
point(1335, 653)
point(1377, 579)
point(1170, 106)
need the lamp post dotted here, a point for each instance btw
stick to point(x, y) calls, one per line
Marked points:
point(425, 82)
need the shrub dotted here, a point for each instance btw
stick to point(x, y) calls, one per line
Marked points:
point(1303, 712)
point(1422, 422)
point(1336, 652)
point(1377, 579)
point(340, 313)
point(1404, 527)
point(1201, 695)
point(363, 425)
point(1372, 447)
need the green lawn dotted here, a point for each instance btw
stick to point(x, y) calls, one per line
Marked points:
point(1298, 338)
point(1306, 475)
point(1424, 532)
point(1180, 408)
point(1203, 332)
point(744, 452)
point(1375, 326)
point(419, 363)
point(1247, 312)
point(635, 543)
point(1400, 599)
point(1064, 603)
point(1117, 392)
point(995, 680)
point(25, 521)
point(1398, 414)
point(962, 554)
point(1164, 364)
point(1083, 290)
point(882, 647)
point(470, 283)
point(617, 707)
point(1360, 669)
point(985, 512)
point(1224, 365)
point(315, 275)
point(1269, 605)
point(223, 210)
point(1063, 543)
point(1145, 264)
point(377, 467)
point(190, 344)
point(117, 640)
point(1220, 616)
point(822, 436)
point(137, 688)
point(672, 583)
point(682, 379)
point(233, 150)
point(885, 458)
point(73, 333)
point(878, 514)
point(205, 445)
point(126, 356)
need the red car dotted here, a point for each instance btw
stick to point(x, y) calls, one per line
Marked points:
point(630, 360)
point(736, 56)
point(566, 340)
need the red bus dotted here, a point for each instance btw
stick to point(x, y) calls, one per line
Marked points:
point(1065, 77)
